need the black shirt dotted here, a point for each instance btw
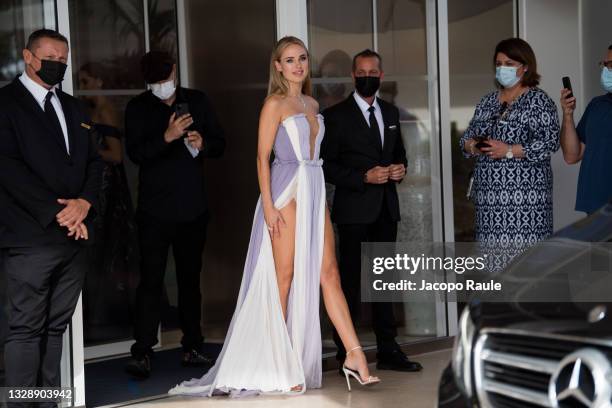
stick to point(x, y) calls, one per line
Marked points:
point(171, 183)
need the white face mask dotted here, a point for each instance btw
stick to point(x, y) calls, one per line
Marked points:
point(506, 76)
point(163, 91)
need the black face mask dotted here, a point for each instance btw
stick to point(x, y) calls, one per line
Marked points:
point(51, 72)
point(367, 85)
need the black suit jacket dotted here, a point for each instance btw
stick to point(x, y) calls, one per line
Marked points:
point(349, 150)
point(36, 170)
point(171, 181)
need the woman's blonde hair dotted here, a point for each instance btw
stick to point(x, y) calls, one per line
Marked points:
point(277, 84)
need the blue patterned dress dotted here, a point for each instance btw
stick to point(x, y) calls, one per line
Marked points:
point(513, 197)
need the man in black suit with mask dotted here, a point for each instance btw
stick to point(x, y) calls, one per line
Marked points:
point(364, 157)
point(170, 130)
point(50, 175)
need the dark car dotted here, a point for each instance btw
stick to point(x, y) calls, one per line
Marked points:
point(540, 354)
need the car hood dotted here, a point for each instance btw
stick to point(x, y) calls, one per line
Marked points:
point(578, 319)
point(567, 260)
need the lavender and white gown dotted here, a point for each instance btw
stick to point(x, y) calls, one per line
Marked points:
point(262, 353)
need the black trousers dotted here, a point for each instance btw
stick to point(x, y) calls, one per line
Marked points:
point(187, 241)
point(350, 237)
point(43, 286)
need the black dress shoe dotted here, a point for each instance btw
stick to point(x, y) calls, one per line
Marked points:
point(396, 360)
point(194, 358)
point(139, 367)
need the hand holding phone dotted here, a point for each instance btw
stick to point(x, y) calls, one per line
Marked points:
point(177, 127)
point(567, 84)
point(568, 101)
point(481, 142)
point(182, 109)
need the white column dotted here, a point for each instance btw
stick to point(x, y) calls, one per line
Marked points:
point(183, 42)
point(48, 15)
point(443, 193)
point(292, 19)
point(596, 37)
point(145, 10)
point(552, 28)
point(72, 363)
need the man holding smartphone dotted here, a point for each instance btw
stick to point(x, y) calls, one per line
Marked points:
point(169, 130)
point(590, 142)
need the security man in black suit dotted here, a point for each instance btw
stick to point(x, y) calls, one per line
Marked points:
point(364, 156)
point(50, 175)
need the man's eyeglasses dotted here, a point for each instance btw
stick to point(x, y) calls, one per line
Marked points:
point(607, 64)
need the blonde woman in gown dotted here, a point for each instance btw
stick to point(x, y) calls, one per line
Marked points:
point(273, 344)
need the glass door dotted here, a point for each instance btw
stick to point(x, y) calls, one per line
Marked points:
point(401, 31)
point(108, 39)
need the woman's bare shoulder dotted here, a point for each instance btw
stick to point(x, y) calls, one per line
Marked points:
point(273, 107)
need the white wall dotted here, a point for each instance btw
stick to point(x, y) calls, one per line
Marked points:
point(596, 38)
point(552, 28)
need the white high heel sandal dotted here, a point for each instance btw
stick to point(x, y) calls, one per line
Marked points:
point(348, 372)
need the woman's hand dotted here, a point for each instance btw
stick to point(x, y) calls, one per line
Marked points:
point(470, 147)
point(568, 105)
point(274, 221)
point(497, 149)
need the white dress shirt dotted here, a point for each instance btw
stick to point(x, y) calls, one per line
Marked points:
point(194, 152)
point(364, 106)
point(39, 93)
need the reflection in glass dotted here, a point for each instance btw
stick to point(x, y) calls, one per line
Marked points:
point(107, 44)
point(475, 27)
point(18, 19)
point(111, 280)
point(109, 33)
point(162, 26)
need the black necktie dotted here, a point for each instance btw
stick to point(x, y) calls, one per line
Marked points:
point(374, 130)
point(52, 115)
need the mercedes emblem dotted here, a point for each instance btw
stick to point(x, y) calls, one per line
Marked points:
point(581, 380)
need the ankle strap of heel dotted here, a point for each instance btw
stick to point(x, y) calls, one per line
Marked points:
point(353, 349)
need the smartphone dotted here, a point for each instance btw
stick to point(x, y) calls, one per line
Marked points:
point(481, 142)
point(567, 84)
point(181, 108)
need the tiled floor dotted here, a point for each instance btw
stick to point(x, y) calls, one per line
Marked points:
point(406, 390)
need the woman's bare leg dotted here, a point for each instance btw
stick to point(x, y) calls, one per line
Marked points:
point(336, 306)
point(283, 249)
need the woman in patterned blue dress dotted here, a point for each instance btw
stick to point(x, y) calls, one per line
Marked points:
point(518, 126)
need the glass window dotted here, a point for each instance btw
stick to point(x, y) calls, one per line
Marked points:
point(162, 26)
point(18, 19)
point(108, 40)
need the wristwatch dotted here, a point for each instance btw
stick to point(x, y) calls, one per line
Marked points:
point(509, 154)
